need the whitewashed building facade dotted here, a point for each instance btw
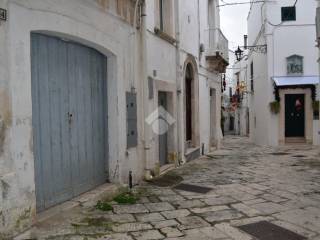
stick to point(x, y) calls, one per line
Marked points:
point(184, 71)
point(318, 42)
point(285, 77)
point(79, 81)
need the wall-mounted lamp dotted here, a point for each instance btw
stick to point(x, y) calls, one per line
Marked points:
point(255, 48)
point(238, 54)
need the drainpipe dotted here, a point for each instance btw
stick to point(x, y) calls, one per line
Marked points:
point(178, 79)
point(144, 90)
point(133, 37)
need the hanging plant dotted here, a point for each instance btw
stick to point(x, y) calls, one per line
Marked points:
point(275, 107)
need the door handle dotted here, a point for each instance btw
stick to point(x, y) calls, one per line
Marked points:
point(70, 117)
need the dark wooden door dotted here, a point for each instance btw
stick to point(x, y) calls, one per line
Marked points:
point(294, 115)
point(163, 138)
point(188, 109)
point(231, 126)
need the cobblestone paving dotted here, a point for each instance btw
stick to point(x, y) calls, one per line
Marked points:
point(249, 184)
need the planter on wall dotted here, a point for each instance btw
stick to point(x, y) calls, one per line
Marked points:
point(275, 107)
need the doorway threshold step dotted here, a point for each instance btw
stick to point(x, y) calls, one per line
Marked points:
point(192, 154)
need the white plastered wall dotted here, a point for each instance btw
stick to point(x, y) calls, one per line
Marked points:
point(112, 39)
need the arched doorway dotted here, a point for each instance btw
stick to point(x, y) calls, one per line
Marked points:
point(189, 90)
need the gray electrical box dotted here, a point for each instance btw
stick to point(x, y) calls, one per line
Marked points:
point(150, 86)
point(132, 132)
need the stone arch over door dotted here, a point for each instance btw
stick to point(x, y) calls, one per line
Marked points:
point(191, 103)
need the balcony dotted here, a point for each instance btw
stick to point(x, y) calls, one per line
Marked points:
point(217, 50)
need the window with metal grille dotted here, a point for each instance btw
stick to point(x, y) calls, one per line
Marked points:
point(288, 13)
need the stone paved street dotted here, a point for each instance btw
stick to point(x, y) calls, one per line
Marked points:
point(249, 184)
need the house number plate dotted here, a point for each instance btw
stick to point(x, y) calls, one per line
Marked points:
point(3, 14)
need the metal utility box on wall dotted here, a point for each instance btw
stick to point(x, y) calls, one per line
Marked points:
point(132, 132)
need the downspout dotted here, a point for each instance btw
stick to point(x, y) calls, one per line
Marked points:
point(134, 43)
point(144, 90)
point(199, 33)
point(178, 79)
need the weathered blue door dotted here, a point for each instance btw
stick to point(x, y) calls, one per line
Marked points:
point(69, 109)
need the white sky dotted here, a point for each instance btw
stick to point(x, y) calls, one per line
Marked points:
point(233, 22)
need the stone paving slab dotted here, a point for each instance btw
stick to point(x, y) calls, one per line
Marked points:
point(209, 209)
point(306, 218)
point(192, 222)
point(176, 213)
point(189, 204)
point(250, 212)
point(131, 227)
point(150, 217)
point(219, 201)
point(219, 216)
point(120, 218)
point(115, 237)
point(268, 208)
point(294, 228)
point(124, 209)
point(148, 235)
point(159, 207)
point(165, 224)
point(171, 232)
point(171, 198)
point(205, 233)
point(233, 232)
point(249, 185)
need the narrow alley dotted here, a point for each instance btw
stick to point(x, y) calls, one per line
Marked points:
point(245, 184)
point(159, 119)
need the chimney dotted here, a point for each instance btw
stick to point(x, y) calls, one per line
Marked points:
point(245, 37)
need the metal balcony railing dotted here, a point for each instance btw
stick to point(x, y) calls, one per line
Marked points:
point(215, 42)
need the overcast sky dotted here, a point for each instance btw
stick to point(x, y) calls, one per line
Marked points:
point(234, 22)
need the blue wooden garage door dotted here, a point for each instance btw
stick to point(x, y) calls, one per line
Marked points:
point(69, 104)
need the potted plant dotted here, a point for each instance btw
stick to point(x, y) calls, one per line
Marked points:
point(275, 107)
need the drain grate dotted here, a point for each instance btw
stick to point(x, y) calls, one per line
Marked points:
point(268, 231)
point(299, 156)
point(279, 153)
point(192, 188)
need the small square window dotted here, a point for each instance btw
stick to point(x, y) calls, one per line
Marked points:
point(288, 13)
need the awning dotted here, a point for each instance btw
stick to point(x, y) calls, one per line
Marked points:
point(301, 80)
